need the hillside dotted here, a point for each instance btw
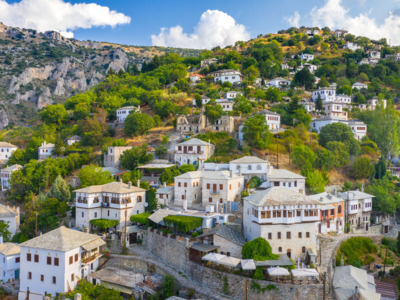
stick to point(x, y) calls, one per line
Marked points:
point(38, 69)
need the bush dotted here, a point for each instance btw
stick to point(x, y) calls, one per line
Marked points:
point(362, 168)
point(258, 274)
point(354, 249)
point(142, 218)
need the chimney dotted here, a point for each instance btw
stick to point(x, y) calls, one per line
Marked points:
point(138, 183)
point(321, 199)
point(301, 191)
point(240, 171)
point(86, 230)
point(339, 195)
point(129, 184)
point(334, 192)
point(120, 179)
point(217, 226)
point(164, 184)
point(231, 173)
point(362, 188)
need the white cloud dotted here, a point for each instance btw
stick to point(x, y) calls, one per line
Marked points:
point(294, 20)
point(215, 28)
point(334, 15)
point(58, 15)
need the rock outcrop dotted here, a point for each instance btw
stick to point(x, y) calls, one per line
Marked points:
point(44, 99)
point(3, 119)
point(120, 61)
point(28, 75)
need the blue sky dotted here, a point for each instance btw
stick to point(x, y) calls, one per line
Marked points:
point(148, 17)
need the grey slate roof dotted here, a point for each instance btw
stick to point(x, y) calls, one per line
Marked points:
point(194, 142)
point(6, 212)
point(13, 168)
point(248, 160)
point(275, 174)
point(227, 233)
point(205, 98)
point(327, 198)
point(278, 196)
point(74, 138)
point(268, 112)
point(4, 144)
point(61, 239)
point(164, 190)
point(10, 249)
point(328, 118)
point(113, 187)
point(47, 146)
point(356, 195)
point(217, 175)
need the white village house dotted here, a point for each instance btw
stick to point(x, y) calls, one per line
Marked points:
point(124, 112)
point(112, 201)
point(11, 216)
point(352, 46)
point(195, 77)
point(308, 105)
point(165, 194)
point(10, 261)
point(229, 75)
point(45, 151)
point(359, 86)
point(343, 99)
point(278, 82)
point(6, 149)
point(5, 176)
point(358, 210)
point(283, 217)
point(73, 139)
point(193, 151)
point(358, 127)
point(52, 263)
point(373, 102)
point(273, 120)
point(204, 100)
point(334, 109)
point(232, 95)
point(227, 105)
point(206, 62)
point(306, 56)
point(327, 94)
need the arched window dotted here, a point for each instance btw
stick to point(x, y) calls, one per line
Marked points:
point(339, 209)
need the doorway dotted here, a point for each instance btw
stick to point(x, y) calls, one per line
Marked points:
point(132, 238)
point(16, 274)
point(319, 228)
point(289, 253)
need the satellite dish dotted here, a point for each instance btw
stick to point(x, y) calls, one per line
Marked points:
point(146, 204)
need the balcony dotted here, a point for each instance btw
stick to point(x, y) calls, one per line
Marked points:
point(90, 258)
point(80, 200)
point(188, 152)
point(214, 192)
point(327, 218)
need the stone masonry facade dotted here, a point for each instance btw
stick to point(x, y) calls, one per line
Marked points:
point(225, 246)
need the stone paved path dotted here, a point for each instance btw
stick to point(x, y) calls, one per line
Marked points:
point(141, 253)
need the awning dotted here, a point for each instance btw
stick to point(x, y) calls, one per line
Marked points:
point(93, 245)
point(277, 271)
point(129, 229)
point(305, 272)
point(117, 287)
point(327, 207)
point(229, 261)
point(283, 260)
point(248, 264)
point(204, 247)
point(214, 257)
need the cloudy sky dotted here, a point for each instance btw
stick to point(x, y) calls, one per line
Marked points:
point(201, 24)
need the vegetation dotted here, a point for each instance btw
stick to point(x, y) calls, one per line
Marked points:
point(356, 251)
point(104, 223)
point(142, 218)
point(183, 223)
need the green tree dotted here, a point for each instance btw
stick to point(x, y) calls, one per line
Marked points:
point(59, 190)
point(213, 112)
point(81, 111)
point(340, 155)
point(304, 158)
point(169, 287)
point(380, 168)
point(339, 132)
point(54, 114)
point(94, 175)
point(323, 160)
point(138, 124)
point(362, 168)
point(241, 104)
point(132, 158)
point(273, 94)
point(316, 181)
point(318, 103)
point(304, 78)
point(302, 117)
point(4, 232)
point(199, 102)
point(385, 200)
point(251, 73)
point(58, 149)
point(256, 132)
point(323, 83)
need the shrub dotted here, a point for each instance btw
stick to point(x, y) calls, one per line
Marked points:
point(183, 223)
point(355, 248)
point(258, 274)
point(362, 168)
point(104, 223)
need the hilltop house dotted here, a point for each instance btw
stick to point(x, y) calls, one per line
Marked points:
point(273, 120)
point(341, 32)
point(195, 77)
point(373, 102)
point(358, 127)
point(165, 194)
point(112, 201)
point(124, 112)
point(343, 99)
point(352, 46)
point(45, 151)
point(283, 217)
point(10, 215)
point(227, 105)
point(6, 149)
point(229, 75)
point(310, 67)
point(278, 82)
point(54, 262)
point(10, 261)
point(232, 95)
point(359, 86)
point(73, 139)
point(334, 109)
point(358, 210)
point(112, 158)
point(306, 56)
point(327, 94)
point(206, 62)
point(5, 176)
point(193, 151)
point(191, 124)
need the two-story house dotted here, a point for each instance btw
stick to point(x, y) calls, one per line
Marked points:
point(312, 68)
point(359, 128)
point(229, 75)
point(112, 158)
point(359, 86)
point(284, 178)
point(373, 102)
point(9, 261)
point(195, 77)
point(11, 216)
point(165, 194)
point(204, 100)
point(124, 112)
point(53, 263)
point(359, 207)
point(250, 166)
point(331, 212)
point(273, 120)
point(283, 217)
point(207, 188)
point(193, 151)
point(112, 201)
point(352, 46)
point(342, 98)
point(6, 149)
point(327, 94)
point(306, 56)
point(73, 139)
point(334, 109)
point(5, 176)
point(227, 105)
point(308, 105)
point(232, 95)
point(191, 124)
point(278, 82)
point(45, 150)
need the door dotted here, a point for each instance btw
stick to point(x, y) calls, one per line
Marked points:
point(366, 227)
point(132, 238)
point(16, 274)
point(386, 229)
point(214, 188)
point(319, 228)
point(198, 149)
point(94, 281)
point(289, 253)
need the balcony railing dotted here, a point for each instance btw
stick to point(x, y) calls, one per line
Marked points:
point(188, 152)
point(89, 259)
point(215, 192)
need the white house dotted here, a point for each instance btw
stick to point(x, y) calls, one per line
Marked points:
point(11, 216)
point(317, 80)
point(112, 201)
point(52, 263)
point(193, 151)
point(124, 112)
point(358, 210)
point(334, 109)
point(232, 95)
point(312, 32)
point(250, 166)
point(273, 120)
point(207, 188)
point(112, 158)
point(229, 75)
point(227, 105)
point(165, 194)
point(5, 176)
point(284, 178)
point(285, 66)
point(73, 139)
point(327, 94)
point(359, 86)
point(352, 46)
point(342, 98)
point(312, 68)
point(359, 128)
point(307, 57)
point(278, 82)
point(341, 32)
point(45, 151)
point(204, 100)
point(308, 105)
point(195, 77)
point(375, 54)
point(6, 149)
point(10, 261)
point(373, 102)
point(283, 217)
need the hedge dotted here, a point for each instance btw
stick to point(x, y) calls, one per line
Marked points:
point(142, 218)
point(104, 223)
point(183, 223)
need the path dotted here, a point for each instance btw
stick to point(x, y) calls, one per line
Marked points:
point(139, 252)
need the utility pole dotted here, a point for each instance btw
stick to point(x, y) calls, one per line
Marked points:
point(324, 279)
point(126, 213)
point(246, 289)
point(277, 154)
point(36, 224)
point(290, 150)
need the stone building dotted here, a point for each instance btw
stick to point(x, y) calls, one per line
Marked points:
point(359, 208)
point(285, 178)
point(230, 241)
point(113, 201)
point(165, 194)
point(283, 217)
point(10, 215)
point(111, 159)
point(215, 188)
point(225, 123)
point(335, 109)
point(191, 124)
point(193, 151)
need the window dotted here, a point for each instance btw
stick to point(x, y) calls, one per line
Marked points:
point(83, 214)
point(179, 184)
point(54, 280)
point(29, 275)
point(56, 261)
point(194, 184)
point(76, 257)
point(258, 167)
point(299, 235)
point(197, 184)
point(268, 214)
point(307, 234)
point(280, 249)
point(72, 277)
point(183, 197)
point(230, 187)
point(208, 186)
point(210, 199)
point(279, 235)
point(303, 249)
point(95, 215)
point(48, 260)
point(238, 184)
point(185, 184)
point(249, 167)
point(41, 277)
point(332, 212)
point(299, 213)
point(71, 260)
point(36, 258)
point(288, 235)
point(339, 210)
point(29, 257)
point(221, 187)
point(270, 236)
point(220, 200)
point(139, 198)
point(17, 259)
